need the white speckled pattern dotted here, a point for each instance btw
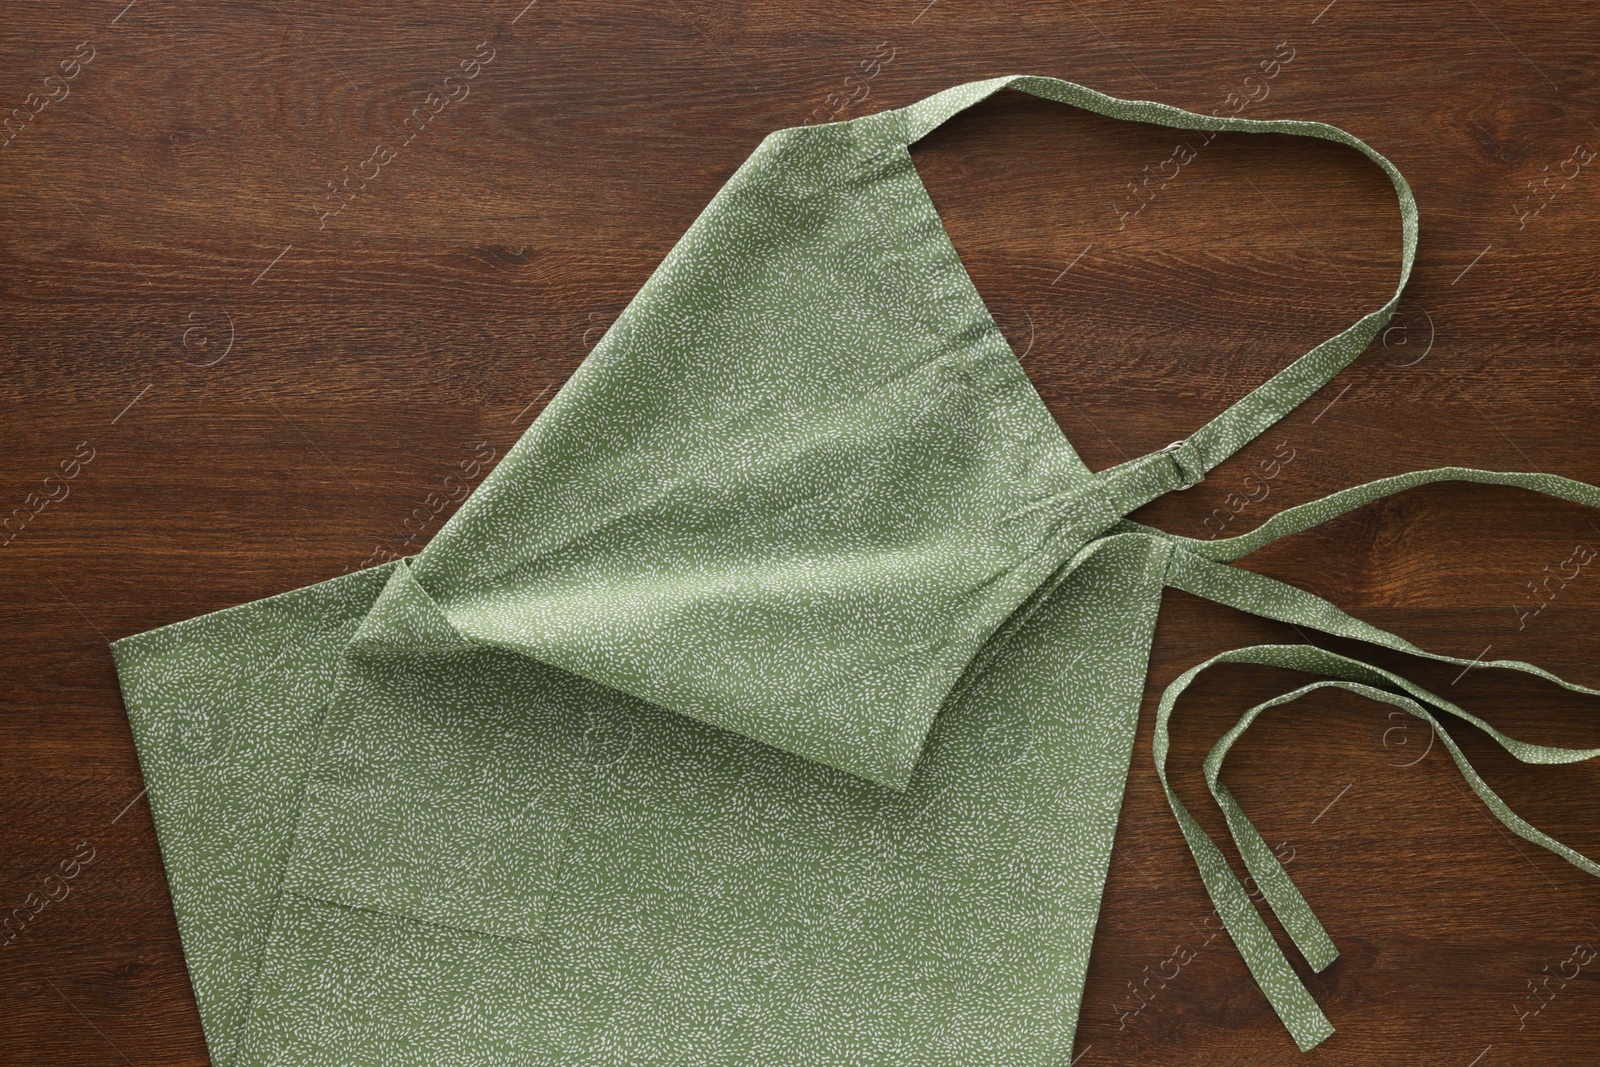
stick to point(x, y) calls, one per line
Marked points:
point(770, 703)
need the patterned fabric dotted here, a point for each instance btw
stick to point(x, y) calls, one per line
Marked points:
point(771, 702)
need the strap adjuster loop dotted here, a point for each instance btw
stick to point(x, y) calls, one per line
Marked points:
point(1191, 472)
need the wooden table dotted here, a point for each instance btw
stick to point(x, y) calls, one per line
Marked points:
point(260, 312)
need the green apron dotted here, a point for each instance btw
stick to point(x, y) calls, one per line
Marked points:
point(770, 703)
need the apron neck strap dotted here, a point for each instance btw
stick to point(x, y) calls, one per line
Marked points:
point(1185, 462)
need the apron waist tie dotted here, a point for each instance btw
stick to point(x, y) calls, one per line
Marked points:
point(1195, 567)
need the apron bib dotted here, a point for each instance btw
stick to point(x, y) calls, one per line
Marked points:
point(770, 702)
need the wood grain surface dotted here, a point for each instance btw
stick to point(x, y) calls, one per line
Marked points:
point(270, 391)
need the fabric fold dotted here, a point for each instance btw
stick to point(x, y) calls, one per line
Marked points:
point(770, 702)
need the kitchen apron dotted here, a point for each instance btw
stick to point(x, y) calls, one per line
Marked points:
point(770, 703)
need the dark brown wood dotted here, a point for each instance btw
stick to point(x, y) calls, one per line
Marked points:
point(268, 395)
